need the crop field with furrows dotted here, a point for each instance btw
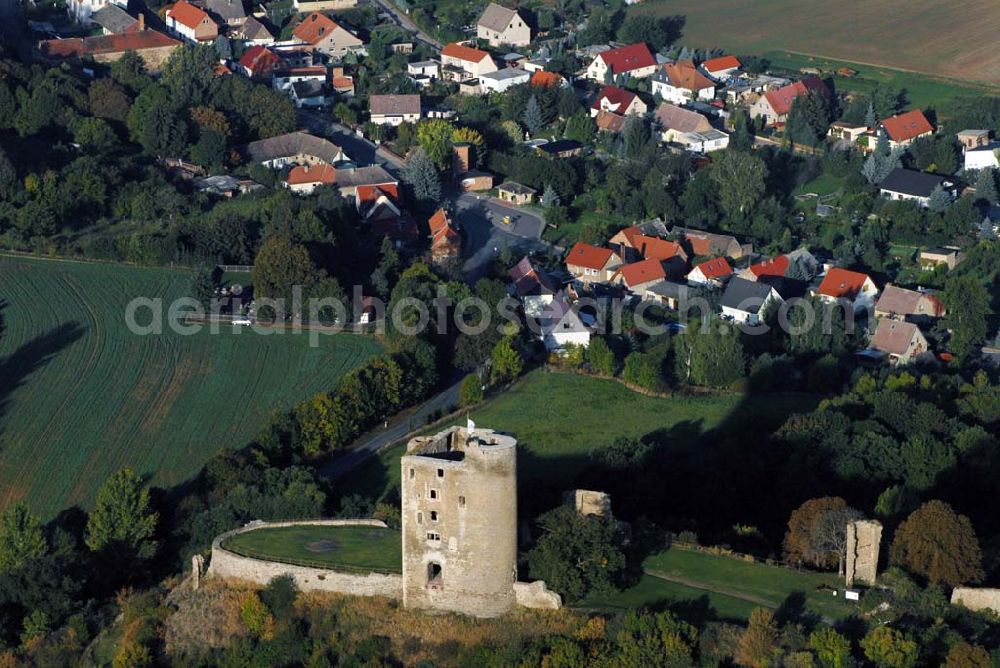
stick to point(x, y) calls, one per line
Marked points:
point(956, 40)
point(81, 396)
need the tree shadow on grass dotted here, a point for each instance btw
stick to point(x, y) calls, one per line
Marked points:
point(30, 357)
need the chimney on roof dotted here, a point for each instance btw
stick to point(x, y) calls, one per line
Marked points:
point(142, 21)
point(461, 158)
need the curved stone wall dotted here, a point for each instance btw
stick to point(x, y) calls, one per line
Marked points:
point(226, 564)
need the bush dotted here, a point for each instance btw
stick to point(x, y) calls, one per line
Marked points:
point(471, 391)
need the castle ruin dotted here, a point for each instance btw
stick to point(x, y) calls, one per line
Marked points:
point(459, 515)
point(863, 540)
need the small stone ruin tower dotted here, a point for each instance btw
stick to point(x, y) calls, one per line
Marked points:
point(459, 515)
point(863, 540)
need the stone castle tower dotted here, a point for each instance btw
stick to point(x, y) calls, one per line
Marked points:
point(459, 515)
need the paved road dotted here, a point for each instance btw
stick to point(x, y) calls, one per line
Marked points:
point(486, 235)
point(400, 426)
point(405, 22)
point(359, 149)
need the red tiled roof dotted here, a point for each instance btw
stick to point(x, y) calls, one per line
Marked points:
point(771, 267)
point(628, 58)
point(721, 63)
point(340, 83)
point(590, 257)
point(134, 41)
point(905, 127)
point(781, 99)
point(462, 52)
point(259, 59)
point(187, 14)
point(316, 174)
point(315, 27)
point(442, 232)
point(645, 271)
point(715, 268)
point(842, 283)
point(683, 74)
point(657, 249)
point(370, 194)
point(617, 97)
point(545, 79)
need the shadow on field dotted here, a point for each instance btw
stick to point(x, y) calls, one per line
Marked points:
point(29, 357)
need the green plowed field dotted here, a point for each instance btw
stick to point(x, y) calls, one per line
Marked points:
point(81, 396)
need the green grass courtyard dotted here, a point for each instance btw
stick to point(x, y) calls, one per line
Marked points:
point(349, 548)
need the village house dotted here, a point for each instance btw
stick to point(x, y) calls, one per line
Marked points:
point(349, 181)
point(699, 243)
point(689, 129)
point(745, 301)
point(116, 21)
point(949, 256)
point(462, 63)
point(259, 63)
point(328, 37)
point(843, 284)
point(191, 23)
point(446, 240)
point(668, 294)
point(591, 264)
point(634, 60)
point(773, 106)
point(898, 303)
point(308, 94)
point(284, 79)
point(681, 83)
point(294, 148)
point(424, 72)
point(914, 186)
point(499, 25)
point(560, 148)
point(503, 80)
point(532, 286)
point(973, 139)
point(632, 244)
point(81, 11)
point(304, 179)
point(608, 121)
point(255, 33)
point(636, 277)
point(617, 101)
point(544, 79)
point(559, 325)
point(711, 272)
point(515, 193)
point(901, 341)
point(394, 109)
point(901, 130)
point(153, 47)
point(722, 68)
point(226, 12)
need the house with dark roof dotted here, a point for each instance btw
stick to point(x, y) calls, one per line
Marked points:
point(634, 60)
point(503, 79)
point(560, 148)
point(500, 25)
point(707, 244)
point(191, 23)
point(227, 12)
point(773, 105)
point(294, 148)
point(901, 341)
point(515, 193)
point(668, 294)
point(255, 33)
point(617, 101)
point(327, 36)
point(902, 129)
point(911, 185)
point(116, 21)
point(394, 109)
point(689, 129)
point(681, 83)
point(560, 324)
point(592, 264)
point(745, 301)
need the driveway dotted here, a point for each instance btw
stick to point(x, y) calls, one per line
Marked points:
point(399, 426)
point(404, 21)
point(486, 235)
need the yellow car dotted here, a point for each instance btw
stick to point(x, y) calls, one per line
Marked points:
point(506, 220)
